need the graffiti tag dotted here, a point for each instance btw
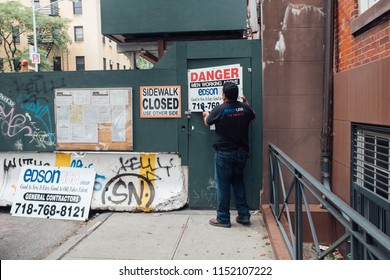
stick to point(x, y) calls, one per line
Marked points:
point(122, 187)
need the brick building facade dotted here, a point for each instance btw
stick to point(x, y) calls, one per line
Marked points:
point(354, 47)
point(361, 116)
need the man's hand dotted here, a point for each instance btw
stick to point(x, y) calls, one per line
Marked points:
point(244, 100)
point(205, 115)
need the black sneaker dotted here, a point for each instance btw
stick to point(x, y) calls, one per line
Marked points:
point(243, 221)
point(215, 223)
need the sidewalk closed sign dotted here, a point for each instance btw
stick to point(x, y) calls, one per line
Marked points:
point(55, 193)
point(205, 85)
point(160, 102)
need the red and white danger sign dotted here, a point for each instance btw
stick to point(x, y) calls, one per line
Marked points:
point(205, 85)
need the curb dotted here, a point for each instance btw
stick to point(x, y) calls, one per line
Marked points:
point(82, 233)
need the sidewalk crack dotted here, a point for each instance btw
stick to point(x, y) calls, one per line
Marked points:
point(185, 226)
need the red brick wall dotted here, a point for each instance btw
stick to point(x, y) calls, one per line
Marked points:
point(366, 47)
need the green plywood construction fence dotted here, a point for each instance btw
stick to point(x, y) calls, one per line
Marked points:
point(171, 16)
point(27, 107)
point(27, 112)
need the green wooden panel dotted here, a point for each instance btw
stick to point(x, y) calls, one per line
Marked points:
point(170, 60)
point(219, 49)
point(26, 109)
point(156, 16)
point(257, 127)
point(27, 100)
point(201, 153)
point(30, 108)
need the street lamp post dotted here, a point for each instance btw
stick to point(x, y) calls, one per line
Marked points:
point(35, 34)
point(35, 52)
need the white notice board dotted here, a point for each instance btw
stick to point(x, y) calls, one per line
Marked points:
point(94, 119)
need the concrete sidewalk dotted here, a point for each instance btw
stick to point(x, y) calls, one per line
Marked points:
point(177, 235)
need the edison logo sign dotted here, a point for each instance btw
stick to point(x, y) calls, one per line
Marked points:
point(205, 85)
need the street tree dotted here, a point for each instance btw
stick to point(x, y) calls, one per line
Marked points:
point(17, 20)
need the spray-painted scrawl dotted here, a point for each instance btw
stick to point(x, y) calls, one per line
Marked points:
point(26, 118)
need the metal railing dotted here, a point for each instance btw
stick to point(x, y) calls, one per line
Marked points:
point(361, 239)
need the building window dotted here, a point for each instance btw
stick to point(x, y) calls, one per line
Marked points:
point(104, 63)
point(364, 5)
point(117, 66)
point(371, 174)
point(77, 7)
point(57, 63)
point(15, 34)
point(111, 64)
point(37, 4)
point(1, 65)
point(54, 9)
point(369, 16)
point(80, 63)
point(78, 33)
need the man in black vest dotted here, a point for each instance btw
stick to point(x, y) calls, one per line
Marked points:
point(231, 119)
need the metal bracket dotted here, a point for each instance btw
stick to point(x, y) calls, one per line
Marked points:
point(188, 113)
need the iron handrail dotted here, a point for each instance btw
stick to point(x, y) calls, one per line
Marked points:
point(365, 239)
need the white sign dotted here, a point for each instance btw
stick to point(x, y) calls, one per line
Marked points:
point(36, 58)
point(205, 85)
point(160, 101)
point(55, 193)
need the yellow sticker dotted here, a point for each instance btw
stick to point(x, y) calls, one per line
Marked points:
point(63, 159)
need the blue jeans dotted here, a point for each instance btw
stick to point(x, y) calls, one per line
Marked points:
point(229, 173)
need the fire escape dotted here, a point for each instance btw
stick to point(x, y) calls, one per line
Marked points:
point(45, 40)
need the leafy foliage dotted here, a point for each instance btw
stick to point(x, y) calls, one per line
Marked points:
point(16, 20)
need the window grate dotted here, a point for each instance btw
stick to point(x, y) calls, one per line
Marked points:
point(372, 161)
point(371, 174)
